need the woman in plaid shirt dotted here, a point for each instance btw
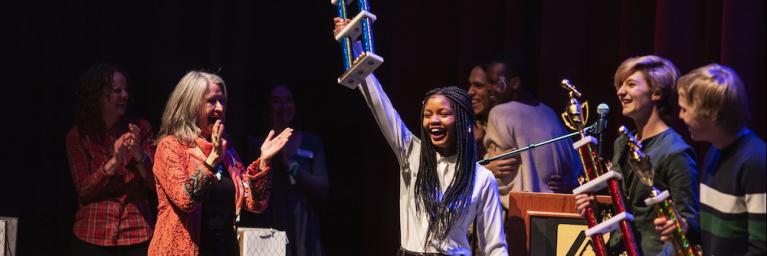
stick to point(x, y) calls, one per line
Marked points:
point(110, 160)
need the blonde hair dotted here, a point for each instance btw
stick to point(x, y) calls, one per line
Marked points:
point(716, 93)
point(183, 108)
point(661, 75)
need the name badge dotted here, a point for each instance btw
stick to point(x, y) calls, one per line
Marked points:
point(305, 153)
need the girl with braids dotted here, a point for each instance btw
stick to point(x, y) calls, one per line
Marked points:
point(442, 188)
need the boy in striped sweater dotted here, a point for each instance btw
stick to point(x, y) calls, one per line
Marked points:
point(714, 105)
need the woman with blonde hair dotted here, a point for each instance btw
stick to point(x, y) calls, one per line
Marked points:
point(201, 183)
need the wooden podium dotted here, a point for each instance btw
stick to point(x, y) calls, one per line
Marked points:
point(524, 207)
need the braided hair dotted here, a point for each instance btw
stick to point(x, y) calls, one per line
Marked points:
point(444, 213)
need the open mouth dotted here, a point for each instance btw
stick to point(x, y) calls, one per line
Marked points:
point(438, 133)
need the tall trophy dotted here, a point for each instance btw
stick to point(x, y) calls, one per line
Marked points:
point(357, 65)
point(597, 179)
point(661, 201)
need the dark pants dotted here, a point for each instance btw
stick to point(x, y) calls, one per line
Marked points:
point(80, 247)
point(403, 252)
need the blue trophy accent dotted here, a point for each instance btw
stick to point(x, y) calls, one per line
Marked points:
point(357, 65)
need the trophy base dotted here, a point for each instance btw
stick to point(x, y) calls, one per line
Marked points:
point(354, 29)
point(335, 2)
point(657, 199)
point(363, 66)
point(609, 225)
point(597, 184)
point(584, 141)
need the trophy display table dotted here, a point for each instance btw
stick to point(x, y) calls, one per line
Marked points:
point(546, 224)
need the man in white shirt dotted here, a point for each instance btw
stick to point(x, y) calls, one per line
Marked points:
point(524, 120)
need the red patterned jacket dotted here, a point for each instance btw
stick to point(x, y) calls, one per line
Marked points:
point(181, 182)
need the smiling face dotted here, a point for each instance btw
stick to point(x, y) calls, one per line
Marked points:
point(116, 101)
point(211, 109)
point(480, 91)
point(700, 128)
point(439, 122)
point(282, 107)
point(636, 98)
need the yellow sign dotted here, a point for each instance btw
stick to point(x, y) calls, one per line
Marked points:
point(572, 240)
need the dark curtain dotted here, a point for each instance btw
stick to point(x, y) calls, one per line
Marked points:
point(426, 44)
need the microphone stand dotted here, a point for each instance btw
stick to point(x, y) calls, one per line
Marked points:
point(600, 128)
point(591, 129)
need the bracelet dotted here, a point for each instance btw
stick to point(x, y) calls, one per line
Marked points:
point(210, 167)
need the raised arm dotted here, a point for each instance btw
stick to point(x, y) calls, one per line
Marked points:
point(257, 176)
point(395, 132)
point(389, 121)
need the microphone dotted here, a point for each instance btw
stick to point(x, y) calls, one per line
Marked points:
point(602, 110)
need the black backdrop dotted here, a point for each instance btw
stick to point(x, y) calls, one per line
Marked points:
point(46, 46)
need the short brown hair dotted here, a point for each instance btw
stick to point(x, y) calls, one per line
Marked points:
point(715, 92)
point(661, 75)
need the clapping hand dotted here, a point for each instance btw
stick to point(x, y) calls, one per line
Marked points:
point(121, 148)
point(215, 138)
point(134, 144)
point(272, 145)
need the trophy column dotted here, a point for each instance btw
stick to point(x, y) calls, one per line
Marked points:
point(596, 179)
point(357, 64)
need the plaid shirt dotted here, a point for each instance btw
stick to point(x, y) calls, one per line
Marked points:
point(112, 210)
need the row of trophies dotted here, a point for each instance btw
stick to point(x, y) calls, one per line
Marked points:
point(597, 177)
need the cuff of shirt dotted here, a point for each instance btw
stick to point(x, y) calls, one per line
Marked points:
point(254, 169)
